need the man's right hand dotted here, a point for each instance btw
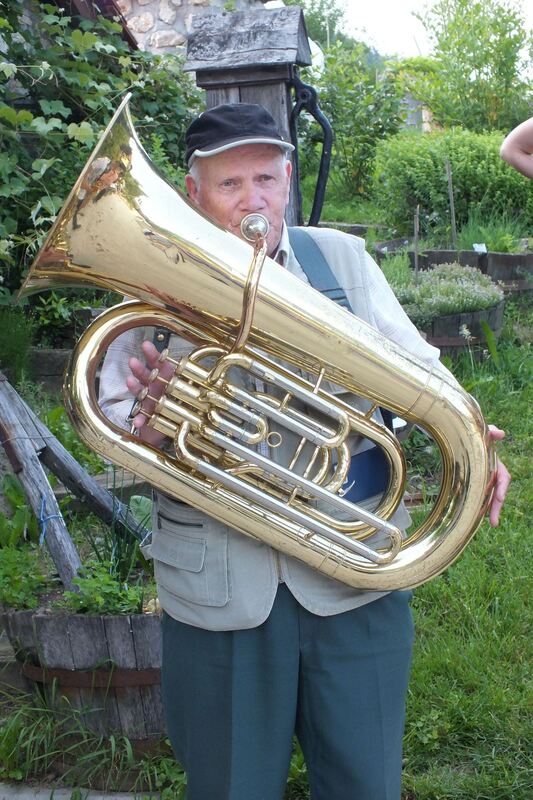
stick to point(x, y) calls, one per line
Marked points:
point(139, 378)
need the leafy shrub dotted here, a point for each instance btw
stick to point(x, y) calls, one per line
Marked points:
point(481, 64)
point(447, 289)
point(60, 81)
point(15, 347)
point(57, 421)
point(21, 580)
point(410, 170)
point(100, 592)
point(22, 525)
point(501, 233)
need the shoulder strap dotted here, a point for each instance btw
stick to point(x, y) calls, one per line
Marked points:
point(315, 266)
point(320, 276)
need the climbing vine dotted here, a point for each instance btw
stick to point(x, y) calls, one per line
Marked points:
point(61, 78)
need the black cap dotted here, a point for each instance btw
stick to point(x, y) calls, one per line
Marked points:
point(231, 125)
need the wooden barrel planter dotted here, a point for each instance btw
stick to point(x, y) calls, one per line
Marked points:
point(106, 667)
point(432, 258)
point(513, 271)
point(445, 331)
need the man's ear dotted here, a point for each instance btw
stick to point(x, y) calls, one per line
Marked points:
point(288, 169)
point(192, 189)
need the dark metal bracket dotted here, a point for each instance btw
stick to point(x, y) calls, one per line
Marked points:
point(306, 99)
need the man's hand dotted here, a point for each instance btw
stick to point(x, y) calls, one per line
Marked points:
point(502, 480)
point(139, 379)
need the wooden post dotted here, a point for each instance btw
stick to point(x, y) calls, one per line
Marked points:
point(416, 241)
point(251, 57)
point(452, 203)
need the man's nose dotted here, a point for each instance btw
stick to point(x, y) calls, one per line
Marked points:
point(252, 198)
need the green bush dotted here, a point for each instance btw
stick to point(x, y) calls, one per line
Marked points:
point(447, 289)
point(410, 170)
point(99, 591)
point(21, 579)
point(15, 342)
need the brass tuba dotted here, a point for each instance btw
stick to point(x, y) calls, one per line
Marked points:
point(125, 228)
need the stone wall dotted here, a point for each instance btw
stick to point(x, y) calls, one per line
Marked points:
point(161, 26)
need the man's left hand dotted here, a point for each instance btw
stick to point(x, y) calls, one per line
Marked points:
point(502, 480)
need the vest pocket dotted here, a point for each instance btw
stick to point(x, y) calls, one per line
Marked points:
point(190, 557)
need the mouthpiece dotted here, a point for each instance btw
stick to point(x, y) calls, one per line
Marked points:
point(254, 226)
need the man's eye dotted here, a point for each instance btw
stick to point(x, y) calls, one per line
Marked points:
point(228, 183)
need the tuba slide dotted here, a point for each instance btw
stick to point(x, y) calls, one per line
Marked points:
point(125, 228)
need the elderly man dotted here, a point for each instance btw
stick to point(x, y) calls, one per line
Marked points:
point(256, 645)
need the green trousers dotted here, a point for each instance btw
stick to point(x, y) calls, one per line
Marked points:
point(234, 699)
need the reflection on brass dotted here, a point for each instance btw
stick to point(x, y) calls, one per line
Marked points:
point(126, 229)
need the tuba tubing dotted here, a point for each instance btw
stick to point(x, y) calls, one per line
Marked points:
point(141, 237)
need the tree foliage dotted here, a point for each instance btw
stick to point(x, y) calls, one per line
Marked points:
point(363, 107)
point(482, 54)
point(60, 80)
point(323, 19)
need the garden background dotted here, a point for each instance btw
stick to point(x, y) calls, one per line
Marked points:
point(468, 731)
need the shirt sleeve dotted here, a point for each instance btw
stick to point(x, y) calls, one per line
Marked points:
point(393, 322)
point(115, 398)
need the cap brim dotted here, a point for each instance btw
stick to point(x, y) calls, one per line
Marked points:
point(238, 143)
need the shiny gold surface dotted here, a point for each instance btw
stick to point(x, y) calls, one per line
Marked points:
point(125, 228)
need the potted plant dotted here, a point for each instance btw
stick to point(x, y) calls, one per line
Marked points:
point(455, 306)
point(98, 646)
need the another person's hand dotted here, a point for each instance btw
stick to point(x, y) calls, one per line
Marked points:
point(140, 378)
point(503, 479)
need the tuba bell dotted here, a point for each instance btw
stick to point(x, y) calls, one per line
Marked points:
point(124, 228)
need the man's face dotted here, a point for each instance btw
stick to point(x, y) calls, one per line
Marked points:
point(234, 183)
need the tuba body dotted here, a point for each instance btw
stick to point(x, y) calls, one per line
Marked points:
point(124, 228)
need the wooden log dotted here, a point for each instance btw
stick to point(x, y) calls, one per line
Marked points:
point(36, 487)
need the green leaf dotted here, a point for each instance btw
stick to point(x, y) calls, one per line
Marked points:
point(43, 126)
point(14, 187)
point(8, 69)
point(55, 107)
point(81, 133)
point(40, 165)
point(141, 508)
point(52, 203)
point(492, 344)
point(83, 41)
point(9, 114)
point(5, 247)
point(102, 47)
point(24, 116)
